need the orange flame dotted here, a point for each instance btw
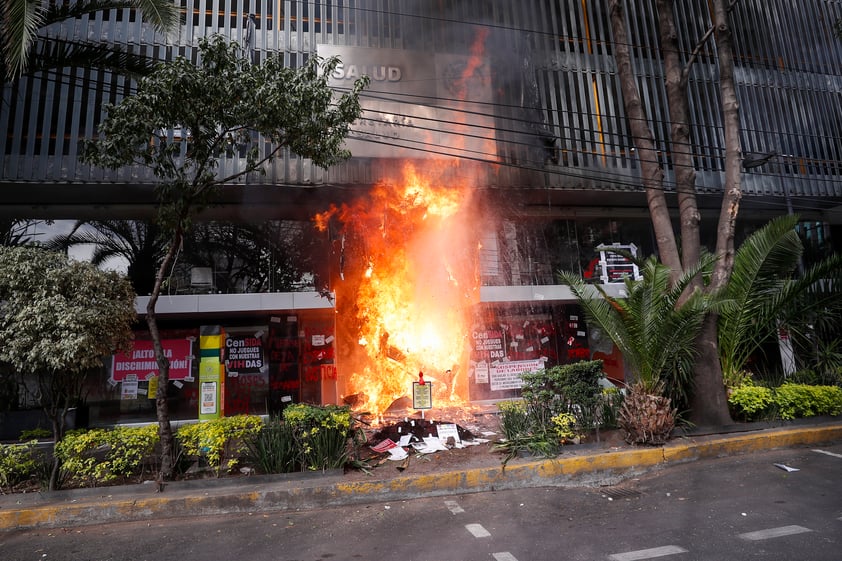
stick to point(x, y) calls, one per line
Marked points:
point(409, 284)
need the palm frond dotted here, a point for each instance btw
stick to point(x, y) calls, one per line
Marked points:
point(54, 53)
point(762, 265)
point(654, 326)
point(21, 20)
point(163, 14)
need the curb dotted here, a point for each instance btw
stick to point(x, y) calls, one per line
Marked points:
point(67, 509)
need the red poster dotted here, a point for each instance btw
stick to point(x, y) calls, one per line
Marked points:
point(140, 361)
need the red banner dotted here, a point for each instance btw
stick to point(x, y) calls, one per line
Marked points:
point(140, 361)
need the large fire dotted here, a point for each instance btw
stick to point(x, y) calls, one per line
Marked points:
point(405, 288)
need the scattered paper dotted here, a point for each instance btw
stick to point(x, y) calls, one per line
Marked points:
point(475, 442)
point(429, 445)
point(397, 453)
point(448, 430)
point(404, 441)
point(786, 467)
point(384, 445)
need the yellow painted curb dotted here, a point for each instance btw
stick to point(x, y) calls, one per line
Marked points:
point(566, 469)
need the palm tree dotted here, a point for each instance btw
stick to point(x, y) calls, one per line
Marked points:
point(762, 295)
point(270, 256)
point(138, 243)
point(19, 231)
point(27, 46)
point(655, 328)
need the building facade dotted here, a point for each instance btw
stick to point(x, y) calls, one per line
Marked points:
point(522, 102)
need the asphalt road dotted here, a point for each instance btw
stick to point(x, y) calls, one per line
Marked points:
point(724, 509)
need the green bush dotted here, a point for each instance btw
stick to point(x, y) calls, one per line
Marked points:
point(219, 441)
point(612, 401)
point(320, 434)
point(102, 455)
point(800, 400)
point(788, 401)
point(559, 404)
point(272, 449)
point(568, 388)
point(750, 402)
point(17, 463)
point(514, 419)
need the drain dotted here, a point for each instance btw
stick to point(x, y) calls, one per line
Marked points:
point(620, 493)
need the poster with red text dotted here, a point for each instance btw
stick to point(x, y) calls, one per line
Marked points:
point(140, 361)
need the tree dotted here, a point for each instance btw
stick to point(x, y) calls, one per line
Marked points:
point(270, 256)
point(19, 231)
point(58, 319)
point(224, 105)
point(657, 338)
point(708, 403)
point(138, 243)
point(762, 296)
point(28, 47)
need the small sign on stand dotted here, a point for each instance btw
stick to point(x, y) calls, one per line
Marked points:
point(422, 394)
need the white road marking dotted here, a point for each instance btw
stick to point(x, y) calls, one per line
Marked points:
point(454, 507)
point(477, 530)
point(828, 453)
point(503, 556)
point(647, 553)
point(774, 533)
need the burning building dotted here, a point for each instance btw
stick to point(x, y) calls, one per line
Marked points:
point(494, 151)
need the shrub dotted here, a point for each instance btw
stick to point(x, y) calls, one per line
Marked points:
point(568, 388)
point(788, 401)
point(35, 434)
point(320, 434)
point(514, 419)
point(219, 441)
point(102, 455)
point(17, 463)
point(611, 402)
point(564, 425)
point(800, 400)
point(272, 449)
point(750, 402)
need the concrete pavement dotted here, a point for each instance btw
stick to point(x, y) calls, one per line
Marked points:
point(579, 466)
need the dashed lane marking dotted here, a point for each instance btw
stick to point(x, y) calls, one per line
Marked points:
point(774, 533)
point(828, 453)
point(503, 556)
point(454, 507)
point(647, 553)
point(478, 531)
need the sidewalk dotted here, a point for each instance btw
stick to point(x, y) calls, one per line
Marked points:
point(586, 466)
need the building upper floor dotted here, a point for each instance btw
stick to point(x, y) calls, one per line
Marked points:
point(525, 95)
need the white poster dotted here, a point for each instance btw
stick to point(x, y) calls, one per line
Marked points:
point(208, 398)
point(507, 375)
point(481, 373)
point(129, 390)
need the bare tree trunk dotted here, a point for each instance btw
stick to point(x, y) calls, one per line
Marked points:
point(651, 173)
point(733, 152)
point(680, 147)
point(57, 391)
point(162, 407)
point(709, 405)
point(708, 397)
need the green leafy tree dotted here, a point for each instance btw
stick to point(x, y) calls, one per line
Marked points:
point(30, 42)
point(58, 319)
point(224, 105)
